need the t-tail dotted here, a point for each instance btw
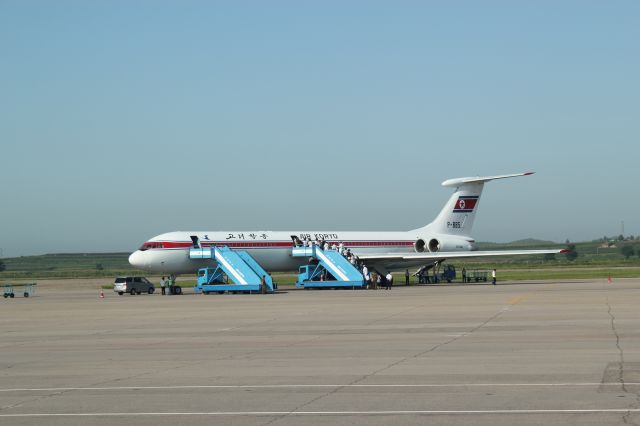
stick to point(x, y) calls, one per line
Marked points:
point(459, 213)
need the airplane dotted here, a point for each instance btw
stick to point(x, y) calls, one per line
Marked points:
point(447, 237)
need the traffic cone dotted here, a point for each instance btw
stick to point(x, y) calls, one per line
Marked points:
point(609, 279)
point(101, 294)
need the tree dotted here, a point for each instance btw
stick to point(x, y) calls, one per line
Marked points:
point(620, 237)
point(99, 266)
point(2, 266)
point(549, 257)
point(572, 254)
point(627, 251)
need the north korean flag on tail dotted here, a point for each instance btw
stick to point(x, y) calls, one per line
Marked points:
point(465, 204)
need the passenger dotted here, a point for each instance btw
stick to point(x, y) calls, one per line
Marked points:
point(326, 245)
point(389, 278)
point(163, 284)
point(340, 247)
point(406, 277)
point(379, 280)
point(263, 284)
point(493, 277)
point(353, 260)
point(365, 274)
point(334, 246)
point(464, 275)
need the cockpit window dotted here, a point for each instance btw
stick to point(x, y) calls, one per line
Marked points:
point(151, 245)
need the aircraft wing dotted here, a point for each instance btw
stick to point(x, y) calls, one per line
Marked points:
point(453, 254)
point(399, 261)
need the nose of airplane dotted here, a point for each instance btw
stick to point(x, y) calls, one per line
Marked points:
point(136, 259)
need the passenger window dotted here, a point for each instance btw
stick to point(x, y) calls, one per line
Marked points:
point(137, 280)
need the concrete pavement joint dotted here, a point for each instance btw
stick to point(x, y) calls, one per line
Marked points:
point(626, 418)
point(433, 348)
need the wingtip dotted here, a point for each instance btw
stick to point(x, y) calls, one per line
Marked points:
point(528, 173)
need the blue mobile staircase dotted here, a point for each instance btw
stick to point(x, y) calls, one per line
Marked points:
point(238, 266)
point(332, 269)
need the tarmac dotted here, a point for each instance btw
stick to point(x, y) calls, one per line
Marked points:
point(524, 353)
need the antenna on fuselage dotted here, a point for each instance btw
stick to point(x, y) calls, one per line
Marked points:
point(196, 242)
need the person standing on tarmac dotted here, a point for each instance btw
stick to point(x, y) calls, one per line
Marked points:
point(389, 281)
point(263, 285)
point(406, 277)
point(464, 274)
point(365, 275)
point(163, 284)
point(493, 277)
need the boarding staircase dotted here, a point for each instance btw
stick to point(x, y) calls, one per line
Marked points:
point(238, 266)
point(328, 264)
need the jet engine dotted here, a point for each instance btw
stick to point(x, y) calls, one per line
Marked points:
point(419, 245)
point(434, 245)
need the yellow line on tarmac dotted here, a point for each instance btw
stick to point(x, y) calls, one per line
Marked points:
point(517, 299)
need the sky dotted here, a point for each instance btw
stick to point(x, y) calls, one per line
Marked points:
point(122, 120)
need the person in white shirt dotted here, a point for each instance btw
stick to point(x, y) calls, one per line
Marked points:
point(389, 283)
point(365, 274)
point(334, 246)
point(493, 277)
point(326, 246)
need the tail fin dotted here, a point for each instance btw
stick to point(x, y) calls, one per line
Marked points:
point(459, 212)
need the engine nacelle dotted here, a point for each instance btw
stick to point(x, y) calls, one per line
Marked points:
point(443, 243)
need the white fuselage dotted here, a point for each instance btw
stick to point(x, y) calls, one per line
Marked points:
point(169, 253)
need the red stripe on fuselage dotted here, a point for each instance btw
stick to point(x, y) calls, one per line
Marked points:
point(263, 244)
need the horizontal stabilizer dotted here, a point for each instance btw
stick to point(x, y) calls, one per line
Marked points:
point(465, 180)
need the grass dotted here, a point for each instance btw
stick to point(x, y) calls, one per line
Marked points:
point(593, 262)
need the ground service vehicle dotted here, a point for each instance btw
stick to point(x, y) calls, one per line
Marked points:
point(133, 285)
